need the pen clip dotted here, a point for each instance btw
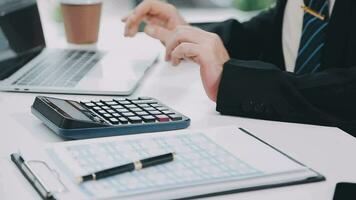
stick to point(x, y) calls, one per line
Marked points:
point(313, 12)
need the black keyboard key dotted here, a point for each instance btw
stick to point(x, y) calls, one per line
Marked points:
point(161, 108)
point(130, 106)
point(128, 114)
point(117, 107)
point(114, 121)
point(156, 105)
point(136, 109)
point(116, 115)
point(149, 109)
point(168, 112)
point(122, 110)
point(105, 107)
point(89, 104)
point(149, 119)
point(124, 102)
point(175, 117)
point(142, 113)
point(162, 118)
point(99, 103)
point(107, 115)
point(102, 111)
point(135, 120)
point(96, 108)
point(111, 103)
point(145, 105)
point(155, 112)
point(123, 120)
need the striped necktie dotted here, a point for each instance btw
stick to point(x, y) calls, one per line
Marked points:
point(313, 38)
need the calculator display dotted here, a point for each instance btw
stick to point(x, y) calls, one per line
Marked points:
point(69, 109)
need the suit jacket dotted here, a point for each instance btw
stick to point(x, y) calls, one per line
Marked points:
point(255, 84)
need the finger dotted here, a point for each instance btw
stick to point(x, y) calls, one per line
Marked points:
point(157, 32)
point(185, 51)
point(143, 9)
point(183, 34)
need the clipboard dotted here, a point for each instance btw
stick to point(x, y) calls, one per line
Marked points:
point(37, 183)
point(50, 192)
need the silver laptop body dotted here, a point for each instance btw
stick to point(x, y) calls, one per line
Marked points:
point(26, 65)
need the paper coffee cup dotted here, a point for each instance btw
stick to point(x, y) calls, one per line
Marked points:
point(81, 20)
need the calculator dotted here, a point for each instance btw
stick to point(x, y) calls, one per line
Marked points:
point(122, 116)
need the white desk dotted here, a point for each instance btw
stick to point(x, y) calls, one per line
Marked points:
point(328, 150)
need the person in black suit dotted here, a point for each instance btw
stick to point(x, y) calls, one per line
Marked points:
point(255, 69)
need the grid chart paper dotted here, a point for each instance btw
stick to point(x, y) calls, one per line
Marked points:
point(198, 161)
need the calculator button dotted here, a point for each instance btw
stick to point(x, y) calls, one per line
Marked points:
point(142, 113)
point(89, 104)
point(128, 114)
point(119, 99)
point(124, 102)
point(135, 120)
point(149, 109)
point(136, 109)
point(105, 107)
point(117, 107)
point(162, 118)
point(107, 115)
point(155, 112)
point(110, 103)
point(131, 106)
point(101, 111)
point(161, 108)
point(148, 118)
point(168, 112)
point(123, 120)
point(116, 114)
point(122, 110)
point(175, 117)
point(145, 105)
point(96, 108)
point(99, 103)
point(114, 120)
point(110, 111)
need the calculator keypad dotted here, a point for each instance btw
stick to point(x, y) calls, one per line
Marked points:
point(132, 111)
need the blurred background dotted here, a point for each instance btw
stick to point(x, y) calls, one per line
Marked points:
point(218, 9)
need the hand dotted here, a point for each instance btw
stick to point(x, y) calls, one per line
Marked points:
point(152, 12)
point(204, 48)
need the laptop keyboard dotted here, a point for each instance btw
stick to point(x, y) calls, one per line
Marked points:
point(62, 68)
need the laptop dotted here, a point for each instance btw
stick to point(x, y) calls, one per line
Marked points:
point(26, 65)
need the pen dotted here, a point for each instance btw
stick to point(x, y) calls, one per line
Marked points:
point(137, 165)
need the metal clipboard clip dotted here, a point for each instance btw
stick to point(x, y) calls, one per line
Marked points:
point(45, 190)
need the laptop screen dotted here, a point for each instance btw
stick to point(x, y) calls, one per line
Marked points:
point(21, 35)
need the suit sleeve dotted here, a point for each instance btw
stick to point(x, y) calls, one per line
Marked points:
point(261, 90)
point(251, 36)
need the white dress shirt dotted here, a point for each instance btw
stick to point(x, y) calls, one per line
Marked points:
point(292, 30)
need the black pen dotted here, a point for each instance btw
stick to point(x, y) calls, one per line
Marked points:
point(137, 165)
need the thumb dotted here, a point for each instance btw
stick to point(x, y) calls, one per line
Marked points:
point(157, 32)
